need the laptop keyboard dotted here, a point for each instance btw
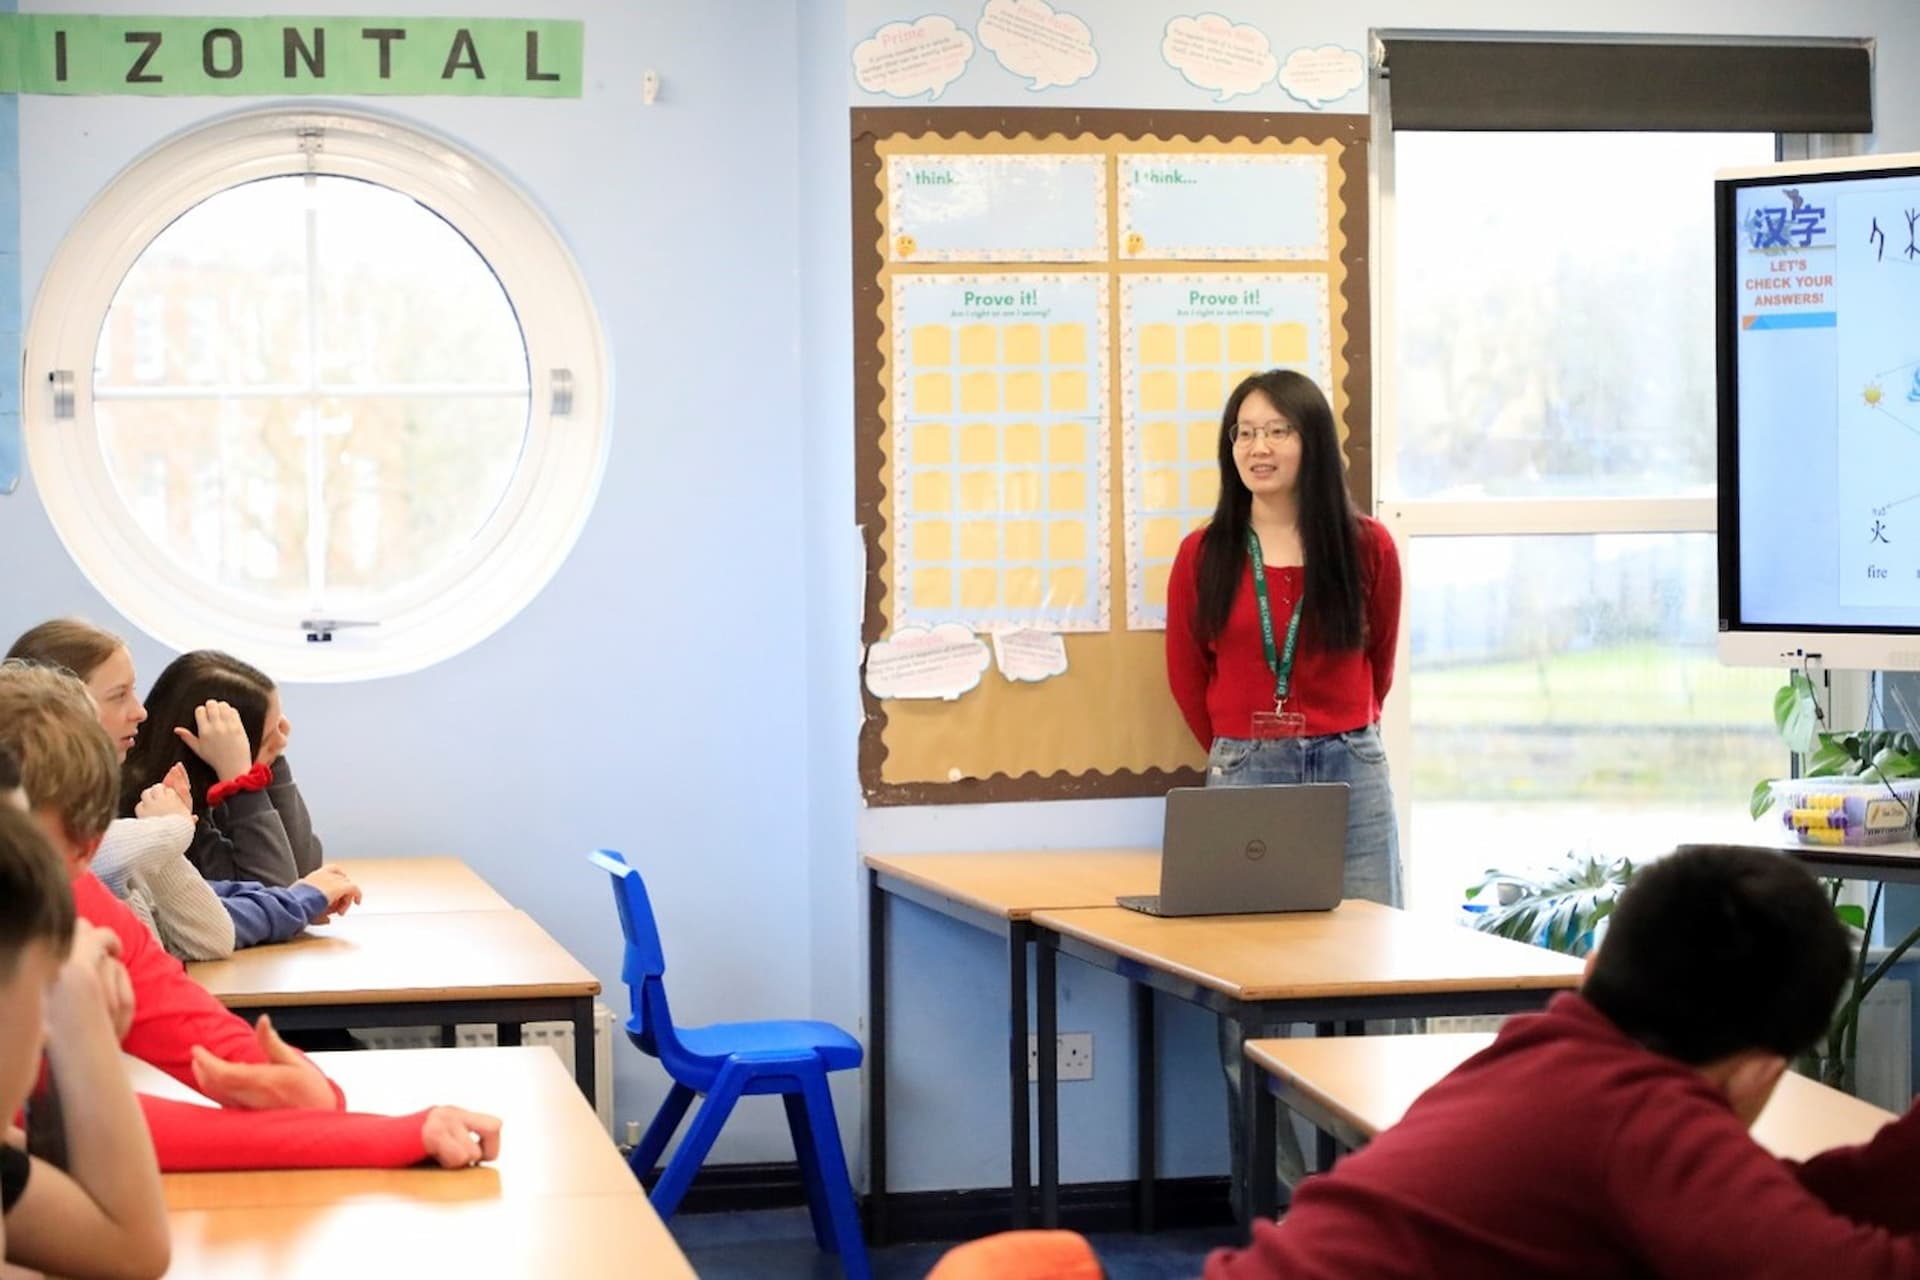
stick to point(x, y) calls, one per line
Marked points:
point(1144, 902)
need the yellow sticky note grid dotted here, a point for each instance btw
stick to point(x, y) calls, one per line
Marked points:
point(1023, 539)
point(932, 491)
point(1203, 439)
point(932, 588)
point(1158, 344)
point(932, 394)
point(1203, 488)
point(1067, 343)
point(1244, 344)
point(932, 344)
point(932, 540)
point(1023, 588)
point(1160, 442)
point(1066, 442)
point(977, 491)
point(979, 444)
point(1160, 490)
point(1153, 585)
point(1069, 391)
point(932, 443)
point(1023, 392)
point(1159, 392)
point(979, 589)
point(979, 540)
point(1022, 343)
point(979, 344)
point(1066, 540)
point(1067, 491)
point(1067, 588)
point(1205, 390)
point(1203, 344)
point(1289, 344)
point(1160, 538)
point(1022, 491)
point(979, 393)
point(1023, 442)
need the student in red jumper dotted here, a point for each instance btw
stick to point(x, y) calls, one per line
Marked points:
point(1282, 616)
point(275, 1108)
point(1607, 1137)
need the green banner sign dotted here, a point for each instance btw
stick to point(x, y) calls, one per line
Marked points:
point(266, 57)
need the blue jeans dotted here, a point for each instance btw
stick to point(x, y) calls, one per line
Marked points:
point(1358, 759)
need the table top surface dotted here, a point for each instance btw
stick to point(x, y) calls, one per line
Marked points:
point(411, 885)
point(1358, 949)
point(1014, 884)
point(603, 1237)
point(1370, 1081)
point(551, 1142)
point(402, 958)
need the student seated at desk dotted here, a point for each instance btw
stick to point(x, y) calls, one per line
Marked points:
point(276, 1110)
point(1607, 1137)
point(221, 722)
point(143, 856)
point(62, 986)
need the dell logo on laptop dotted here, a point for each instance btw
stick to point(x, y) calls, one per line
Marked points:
point(1256, 850)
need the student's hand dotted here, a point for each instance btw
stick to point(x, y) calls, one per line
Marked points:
point(457, 1138)
point(162, 801)
point(273, 742)
point(93, 977)
point(176, 781)
point(285, 1079)
point(221, 740)
point(339, 887)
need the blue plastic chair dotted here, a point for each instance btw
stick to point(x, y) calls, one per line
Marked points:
point(726, 1062)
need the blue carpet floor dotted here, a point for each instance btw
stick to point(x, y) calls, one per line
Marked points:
point(777, 1244)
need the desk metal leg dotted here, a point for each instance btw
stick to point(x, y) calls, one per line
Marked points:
point(1263, 1190)
point(1147, 1121)
point(1047, 1018)
point(876, 1061)
point(585, 1060)
point(507, 1036)
point(1260, 1154)
point(1020, 1122)
point(1324, 1150)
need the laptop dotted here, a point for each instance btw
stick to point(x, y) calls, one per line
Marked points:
point(1247, 850)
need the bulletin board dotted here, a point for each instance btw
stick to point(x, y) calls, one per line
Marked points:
point(1050, 308)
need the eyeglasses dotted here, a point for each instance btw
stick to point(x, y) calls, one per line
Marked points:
point(1244, 433)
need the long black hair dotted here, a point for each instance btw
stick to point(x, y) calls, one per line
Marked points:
point(1335, 592)
point(190, 680)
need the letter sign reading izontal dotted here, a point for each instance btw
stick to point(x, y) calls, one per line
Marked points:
point(112, 54)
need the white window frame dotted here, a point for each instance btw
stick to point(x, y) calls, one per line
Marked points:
point(532, 528)
point(1408, 518)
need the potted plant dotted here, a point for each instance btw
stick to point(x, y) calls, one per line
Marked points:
point(1564, 909)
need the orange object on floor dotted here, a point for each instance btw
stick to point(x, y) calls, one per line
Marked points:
point(1020, 1255)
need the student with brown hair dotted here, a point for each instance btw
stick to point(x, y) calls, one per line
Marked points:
point(276, 1108)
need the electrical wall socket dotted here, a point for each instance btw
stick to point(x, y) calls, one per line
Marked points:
point(1074, 1055)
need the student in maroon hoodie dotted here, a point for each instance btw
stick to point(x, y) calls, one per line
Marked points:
point(1607, 1137)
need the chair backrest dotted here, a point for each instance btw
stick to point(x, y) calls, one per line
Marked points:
point(643, 965)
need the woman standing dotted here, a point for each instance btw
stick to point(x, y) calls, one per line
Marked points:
point(1282, 616)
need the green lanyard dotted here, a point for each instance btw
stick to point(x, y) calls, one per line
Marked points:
point(1281, 665)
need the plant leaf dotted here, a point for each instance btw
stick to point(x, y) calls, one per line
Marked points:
point(1794, 714)
point(1852, 914)
point(1760, 801)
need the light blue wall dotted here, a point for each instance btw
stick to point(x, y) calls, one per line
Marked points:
point(947, 1110)
point(654, 698)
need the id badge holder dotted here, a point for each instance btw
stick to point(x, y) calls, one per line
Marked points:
point(1279, 723)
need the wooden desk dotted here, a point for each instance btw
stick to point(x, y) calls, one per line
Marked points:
point(578, 1237)
point(1358, 961)
point(1354, 1087)
point(412, 885)
point(998, 893)
point(441, 967)
point(1894, 863)
point(552, 1143)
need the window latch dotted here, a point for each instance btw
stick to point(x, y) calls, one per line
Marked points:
point(560, 392)
point(320, 630)
point(61, 380)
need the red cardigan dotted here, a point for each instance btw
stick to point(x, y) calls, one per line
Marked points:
point(1566, 1151)
point(172, 1013)
point(1219, 686)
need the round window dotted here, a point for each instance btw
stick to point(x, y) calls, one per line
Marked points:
point(317, 388)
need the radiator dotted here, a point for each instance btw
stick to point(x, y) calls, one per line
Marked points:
point(1884, 1076)
point(557, 1035)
